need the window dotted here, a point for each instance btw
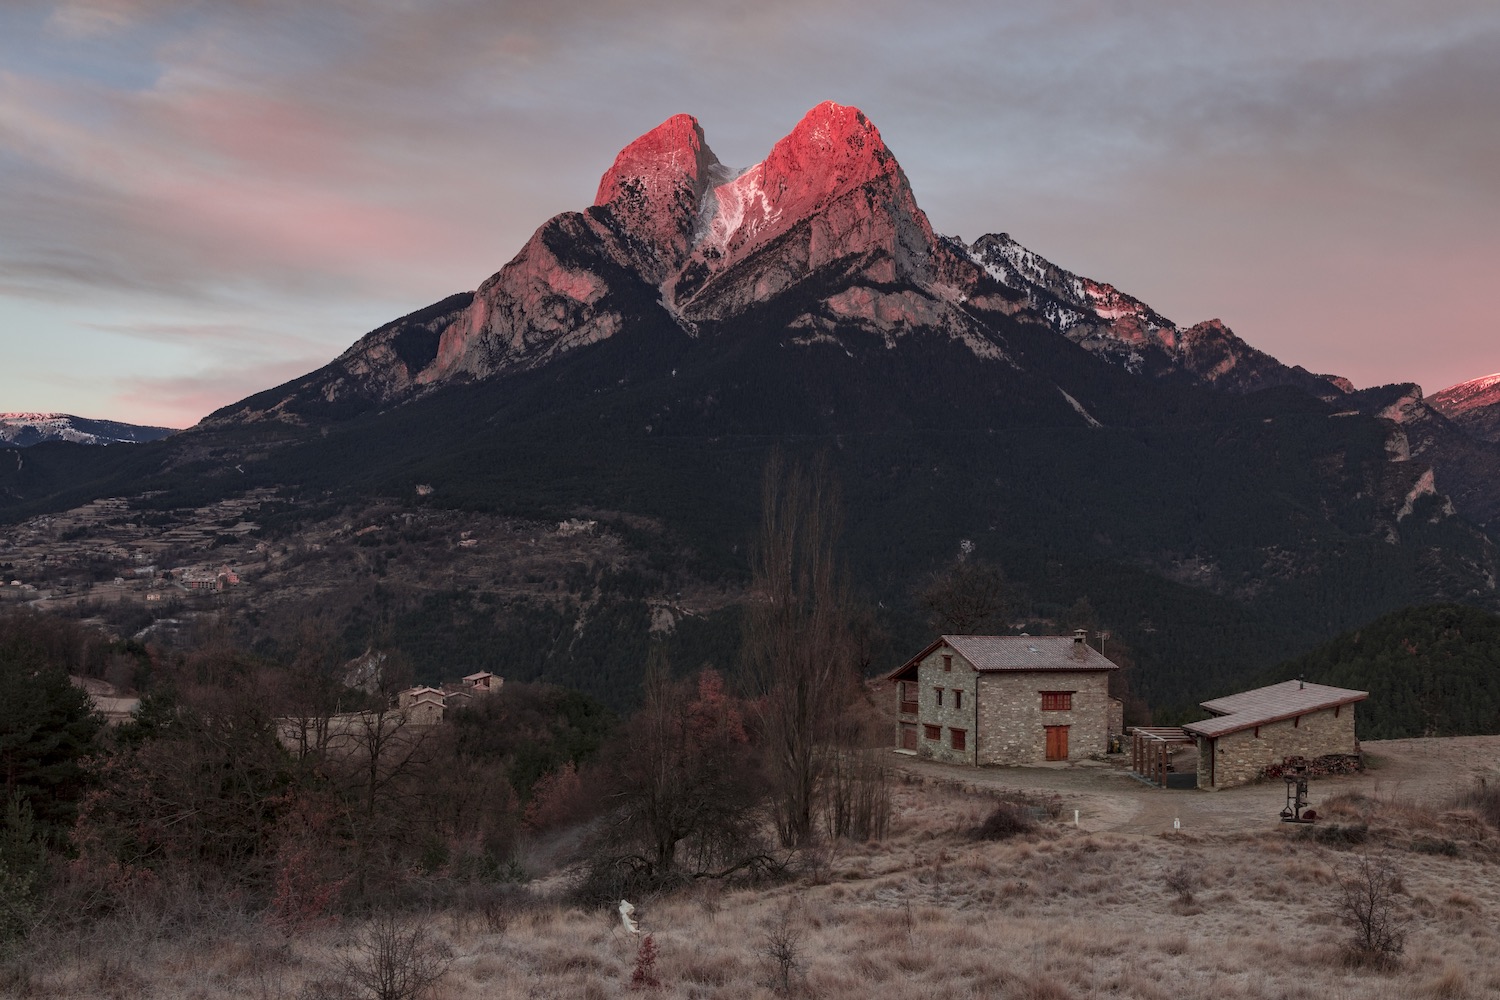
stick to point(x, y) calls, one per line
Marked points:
point(958, 699)
point(939, 697)
point(948, 662)
point(1057, 701)
point(958, 738)
point(933, 733)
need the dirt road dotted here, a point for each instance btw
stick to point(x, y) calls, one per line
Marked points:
point(1109, 798)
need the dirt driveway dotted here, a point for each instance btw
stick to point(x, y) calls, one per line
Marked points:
point(1109, 798)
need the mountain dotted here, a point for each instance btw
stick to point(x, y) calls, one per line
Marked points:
point(703, 243)
point(1472, 405)
point(1430, 671)
point(637, 361)
point(21, 430)
point(1127, 332)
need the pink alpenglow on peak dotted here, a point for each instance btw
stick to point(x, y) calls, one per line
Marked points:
point(834, 189)
point(655, 184)
point(706, 243)
point(833, 150)
point(1473, 405)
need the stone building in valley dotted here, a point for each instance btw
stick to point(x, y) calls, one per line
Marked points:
point(999, 699)
point(1252, 730)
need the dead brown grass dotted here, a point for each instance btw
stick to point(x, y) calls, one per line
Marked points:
point(1052, 913)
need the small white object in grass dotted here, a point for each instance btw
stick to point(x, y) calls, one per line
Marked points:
point(1177, 824)
point(625, 911)
point(1075, 817)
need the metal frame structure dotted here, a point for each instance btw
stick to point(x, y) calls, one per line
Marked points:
point(1151, 749)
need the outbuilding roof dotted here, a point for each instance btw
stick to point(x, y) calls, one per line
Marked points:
point(1263, 706)
point(994, 653)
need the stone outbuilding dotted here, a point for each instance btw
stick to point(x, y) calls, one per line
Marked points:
point(1255, 729)
point(1000, 699)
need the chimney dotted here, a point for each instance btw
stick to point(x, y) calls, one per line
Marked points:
point(1301, 684)
point(1080, 641)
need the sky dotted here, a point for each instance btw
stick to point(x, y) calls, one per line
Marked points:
point(200, 199)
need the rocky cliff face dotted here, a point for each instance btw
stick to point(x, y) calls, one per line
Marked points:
point(1472, 405)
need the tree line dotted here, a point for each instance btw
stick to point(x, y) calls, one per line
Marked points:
point(278, 783)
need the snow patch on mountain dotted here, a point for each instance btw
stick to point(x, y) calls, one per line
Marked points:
point(740, 205)
point(1085, 414)
point(1472, 405)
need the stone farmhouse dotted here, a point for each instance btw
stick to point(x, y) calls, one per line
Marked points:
point(1255, 729)
point(998, 699)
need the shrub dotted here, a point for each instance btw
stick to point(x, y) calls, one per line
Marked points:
point(1009, 819)
point(1339, 835)
point(644, 976)
point(1435, 845)
point(398, 960)
point(1484, 799)
point(1181, 881)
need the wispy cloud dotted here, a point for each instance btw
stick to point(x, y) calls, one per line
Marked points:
point(182, 399)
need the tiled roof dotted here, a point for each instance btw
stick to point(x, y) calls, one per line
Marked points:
point(1028, 652)
point(1270, 704)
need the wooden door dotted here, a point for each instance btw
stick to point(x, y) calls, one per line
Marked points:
point(908, 736)
point(1057, 742)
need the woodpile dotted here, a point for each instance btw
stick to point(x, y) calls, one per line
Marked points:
point(1317, 767)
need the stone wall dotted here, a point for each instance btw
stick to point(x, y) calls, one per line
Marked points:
point(1239, 758)
point(951, 715)
point(1013, 726)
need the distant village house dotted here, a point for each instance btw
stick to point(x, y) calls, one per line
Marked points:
point(483, 682)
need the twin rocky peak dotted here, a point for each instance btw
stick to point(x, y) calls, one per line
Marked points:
point(676, 234)
point(710, 241)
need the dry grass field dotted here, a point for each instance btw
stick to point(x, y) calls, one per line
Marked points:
point(1236, 905)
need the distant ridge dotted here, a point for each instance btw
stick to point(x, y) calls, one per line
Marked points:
point(1473, 405)
point(22, 430)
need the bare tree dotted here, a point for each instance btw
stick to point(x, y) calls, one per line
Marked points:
point(312, 695)
point(384, 755)
point(1368, 886)
point(969, 596)
point(800, 648)
point(688, 783)
point(781, 944)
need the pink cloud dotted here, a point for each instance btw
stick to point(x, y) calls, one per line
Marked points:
point(183, 400)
